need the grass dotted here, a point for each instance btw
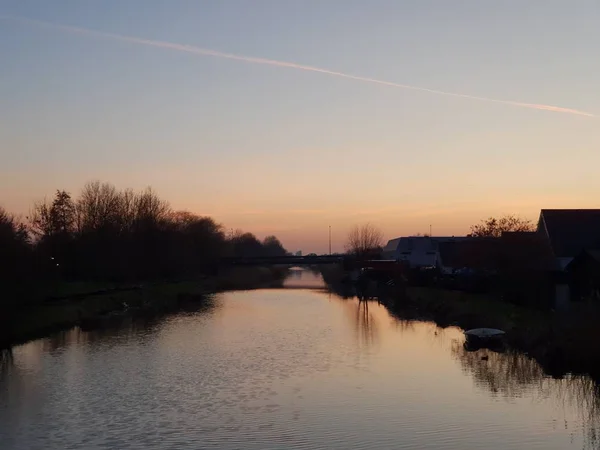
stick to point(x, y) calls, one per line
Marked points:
point(561, 342)
point(474, 310)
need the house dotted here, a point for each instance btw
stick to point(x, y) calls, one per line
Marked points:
point(476, 254)
point(569, 232)
point(584, 275)
point(525, 251)
point(389, 251)
point(512, 252)
point(417, 251)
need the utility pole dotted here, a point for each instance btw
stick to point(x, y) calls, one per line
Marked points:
point(329, 240)
point(430, 235)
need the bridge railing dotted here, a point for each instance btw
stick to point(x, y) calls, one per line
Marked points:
point(268, 260)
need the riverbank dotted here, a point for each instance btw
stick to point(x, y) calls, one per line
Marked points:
point(561, 342)
point(88, 304)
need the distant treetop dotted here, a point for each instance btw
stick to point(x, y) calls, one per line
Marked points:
point(494, 227)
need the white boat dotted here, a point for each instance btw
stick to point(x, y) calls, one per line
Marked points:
point(484, 338)
point(484, 333)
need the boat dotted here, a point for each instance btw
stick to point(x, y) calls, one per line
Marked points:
point(484, 337)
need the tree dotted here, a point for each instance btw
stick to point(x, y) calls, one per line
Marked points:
point(196, 240)
point(54, 219)
point(493, 227)
point(364, 240)
point(109, 234)
point(273, 247)
point(15, 262)
point(100, 208)
point(12, 231)
point(246, 245)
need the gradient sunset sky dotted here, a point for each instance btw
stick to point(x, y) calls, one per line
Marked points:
point(288, 151)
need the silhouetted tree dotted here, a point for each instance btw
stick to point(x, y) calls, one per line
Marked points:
point(493, 227)
point(100, 209)
point(53, 225)
point(197, 241)
point(364, 240)
point(111, 234)
point(273, 247)
point(246, 245)
point(15, 258)
point(52, 219)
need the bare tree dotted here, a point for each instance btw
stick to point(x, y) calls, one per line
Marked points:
point(493, 227)
point(98, 207)
point(364, 239)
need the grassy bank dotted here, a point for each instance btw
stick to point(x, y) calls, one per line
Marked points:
point(562, 341)
point(71, 304)
point(565, 342)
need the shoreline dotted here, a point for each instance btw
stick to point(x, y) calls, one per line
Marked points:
point(562, 342)
point(94, 308)
point(557, 341)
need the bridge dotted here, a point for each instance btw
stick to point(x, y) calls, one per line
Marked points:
point(349, 262)
point(284, 260)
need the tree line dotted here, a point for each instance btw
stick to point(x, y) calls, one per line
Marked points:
point(106, 234)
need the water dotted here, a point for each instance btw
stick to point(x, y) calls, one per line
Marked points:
point(292, 368)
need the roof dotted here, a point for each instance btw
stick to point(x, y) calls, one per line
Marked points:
point(474, 253)
point(571, 230)
point(422, 243)
point(594, 254)
point(425, 243)
point(524, 250)
point(512, 251)
point(584, 258)
point(391, 245)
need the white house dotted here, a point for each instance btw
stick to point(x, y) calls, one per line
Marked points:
point(418, 251)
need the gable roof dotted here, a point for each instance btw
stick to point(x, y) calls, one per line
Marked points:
point(571, 230)
point(392, 245)
point(582, 259)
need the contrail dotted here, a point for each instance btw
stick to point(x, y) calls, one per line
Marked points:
point(272, 62)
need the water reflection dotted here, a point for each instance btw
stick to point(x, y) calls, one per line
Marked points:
point(290, 369)
point(514, 375)
point(6, 362)
point(364, 323)
point(304, 278)
point(501, 374)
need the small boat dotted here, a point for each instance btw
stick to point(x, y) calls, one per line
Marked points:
point(483, 337)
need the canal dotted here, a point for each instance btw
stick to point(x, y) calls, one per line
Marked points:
point(290, 368)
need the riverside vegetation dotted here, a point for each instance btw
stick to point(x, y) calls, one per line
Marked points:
point(108, 250)
point(561, 342)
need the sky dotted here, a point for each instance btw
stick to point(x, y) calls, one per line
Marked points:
point(146, 93)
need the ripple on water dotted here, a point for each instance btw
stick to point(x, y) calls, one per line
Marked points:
point(285, 370)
